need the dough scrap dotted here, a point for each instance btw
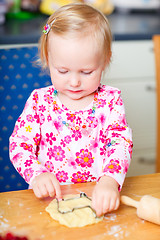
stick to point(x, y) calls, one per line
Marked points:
point(77, 218)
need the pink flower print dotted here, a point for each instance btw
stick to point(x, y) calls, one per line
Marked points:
point(28, 163)
point(34, 106)
point(80, 177)
point(62, 176)
point(37, 139)
point(42, 108)
point(102, 118)
point(76, 134)
point(122, 119)
point(48, 98)
point(19, 171)
point(43, 143)
point(93, 145)
point(41, 118)
point(93, 122)
point(56, 107)
point(110, 105)
point(111, 92)
point(50, 153)
point(58, 125)
point(49, 165)
point(58, 153)
point(50, 138)
point(101, 103)
point(113, 166)
point(119, 101)
point(49, 118)
point(102, 137)
point(19, 119)
point(71, 117)
point(125, 166)
point(100, 89)
point(110, 152)
point(67, 139)
point(50, 91)
point(78, 121)
point(89, 111)
point(30, 118)
point(116, 135)
point(26, 146)
point(71, 163)
point(36, 117)
point(84, 158)
point(116, 127)
point(16, 128)
point(130, 148)
point(22, 123)
point(35, 97)
point(12, 146)
point(28, 173)
point(63, 143)
point(17, 157)
point(103, 150)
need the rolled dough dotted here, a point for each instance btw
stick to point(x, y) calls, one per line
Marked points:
point(77, 218)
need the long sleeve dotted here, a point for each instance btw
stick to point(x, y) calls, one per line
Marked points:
point(74, 145)
point(118, 141)
point(24, 141)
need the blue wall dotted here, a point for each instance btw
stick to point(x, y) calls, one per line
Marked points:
point(19, 75)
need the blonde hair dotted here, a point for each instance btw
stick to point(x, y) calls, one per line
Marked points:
point(78, 18)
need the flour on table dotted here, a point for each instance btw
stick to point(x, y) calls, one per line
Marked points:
point(77, 218)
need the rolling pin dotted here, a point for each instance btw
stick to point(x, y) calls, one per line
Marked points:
point(148, 208)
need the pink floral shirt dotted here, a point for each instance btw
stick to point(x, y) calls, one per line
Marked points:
point(76, 146)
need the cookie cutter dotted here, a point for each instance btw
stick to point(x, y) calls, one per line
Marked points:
point(82, 195)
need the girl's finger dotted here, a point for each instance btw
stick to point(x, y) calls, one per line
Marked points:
point(106, 205)
point(57, 188)
point(50, 188)
point(112, 204)
point(36, 191)
point(99, 205)
point(93, 204)
point(117, 204)
point(43, 190)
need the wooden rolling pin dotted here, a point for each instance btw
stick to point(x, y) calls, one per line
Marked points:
point(148, 208)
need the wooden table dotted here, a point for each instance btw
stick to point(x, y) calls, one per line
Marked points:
point(23, 214)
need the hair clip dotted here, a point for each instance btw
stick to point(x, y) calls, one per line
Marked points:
point(47, 27)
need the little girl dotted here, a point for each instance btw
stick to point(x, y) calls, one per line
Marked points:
point(74, 131)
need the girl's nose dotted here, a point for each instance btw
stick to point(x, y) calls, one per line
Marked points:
point(75, 81)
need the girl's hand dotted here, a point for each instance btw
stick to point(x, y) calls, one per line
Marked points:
point(46, 184)
point(105, 196)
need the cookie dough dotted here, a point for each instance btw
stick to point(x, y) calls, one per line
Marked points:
point(77, 218)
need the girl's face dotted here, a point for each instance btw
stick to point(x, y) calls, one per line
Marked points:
point(76, 65)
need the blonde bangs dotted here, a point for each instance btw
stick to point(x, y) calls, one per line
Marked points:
point(78, 20)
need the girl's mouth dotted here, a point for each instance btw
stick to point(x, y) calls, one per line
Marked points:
point(75, 91)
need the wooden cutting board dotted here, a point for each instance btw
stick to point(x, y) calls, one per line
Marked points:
point(23, 214)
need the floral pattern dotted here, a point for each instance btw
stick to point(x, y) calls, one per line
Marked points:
point(76, 146)
point(84, 158)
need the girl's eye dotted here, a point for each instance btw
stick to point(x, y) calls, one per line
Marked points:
point(62, 71)
point(86, 72)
